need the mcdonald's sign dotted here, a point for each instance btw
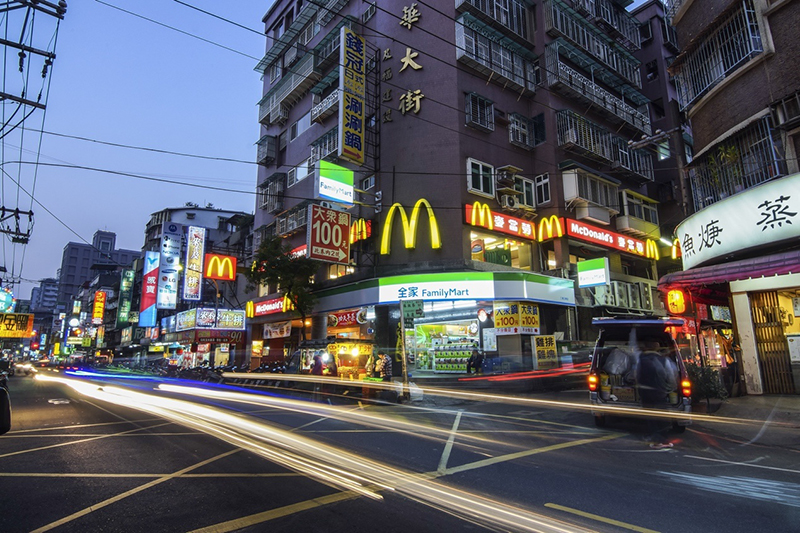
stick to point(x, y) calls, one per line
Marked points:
point(222, 267)
point(550, 227)
point(268, 307)
point(410, 226)
point(478, 214)
point(651, 250)
point(676, 249)
point(360, 229)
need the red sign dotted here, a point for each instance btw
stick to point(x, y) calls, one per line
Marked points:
point(606, 238)
point(222, 267)
point(347, 318)
point(268, 307)
point(328, 235)
point(480, 215)
point(99, 307)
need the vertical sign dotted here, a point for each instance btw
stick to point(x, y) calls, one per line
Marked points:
point(506, 318)
point(147, 308)
point(193, 277)
point(99, 308)
point(544, 347)
point(352, 54)
point(168, 269)
point(328, 235)
point(528, 318)
point(125, 297)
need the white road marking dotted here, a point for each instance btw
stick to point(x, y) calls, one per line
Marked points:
point(764, 490)
point(449, 446)
point(735, 463)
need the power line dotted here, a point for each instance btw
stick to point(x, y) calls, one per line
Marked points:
point(220, 18)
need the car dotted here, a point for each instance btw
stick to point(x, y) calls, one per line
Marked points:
point(636, 365)
point(5, 406)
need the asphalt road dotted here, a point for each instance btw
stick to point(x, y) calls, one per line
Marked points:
point(131, 455)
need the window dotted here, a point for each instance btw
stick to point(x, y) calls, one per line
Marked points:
point(645, 32)
point(596, 190)
point(663, 150)
point(480, 178)
point(539, 135)
point(542, 182)
point(651, 70)
point(658, 108)
point(298, 173)
point(276, 70)
point(519, 131)
point(367, 183)
point(526, 187)
point(300, 126)
point(480, 112)
point(337, 271)
point(639, 208)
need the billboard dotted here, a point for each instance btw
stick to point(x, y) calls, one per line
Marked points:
point(328, 235)
point(479, 214)
point(352, 91)
point(168, 268)
point(221, 267)
point(147, 307)
point(16, 325)
point(193, 276)
point(99, 308)
point(125, 297)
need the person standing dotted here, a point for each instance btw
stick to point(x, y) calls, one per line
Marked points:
point(386, 367)
point(478, 363)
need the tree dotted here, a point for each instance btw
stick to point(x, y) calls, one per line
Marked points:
point(274, 264)
point(706, 383)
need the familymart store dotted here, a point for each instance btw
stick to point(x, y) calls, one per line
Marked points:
point(502, 312)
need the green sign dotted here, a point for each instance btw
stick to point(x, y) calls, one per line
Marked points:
point(412, 308)
point(593, 272)
point(334, 182)
point(125, 297)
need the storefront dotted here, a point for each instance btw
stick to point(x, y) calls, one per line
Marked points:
point(273, 331)
point(205, 336)
point(742, 266)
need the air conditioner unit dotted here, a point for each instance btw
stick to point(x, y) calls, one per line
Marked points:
point(646, 295)
point(509, 201)
point(634, 296)
point(620, 290)
point(603, 295)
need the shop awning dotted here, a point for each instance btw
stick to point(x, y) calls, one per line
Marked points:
point(756, 267)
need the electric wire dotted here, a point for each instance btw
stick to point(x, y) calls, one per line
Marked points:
point(220, 18)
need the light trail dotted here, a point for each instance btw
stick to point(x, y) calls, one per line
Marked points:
point(332, 466)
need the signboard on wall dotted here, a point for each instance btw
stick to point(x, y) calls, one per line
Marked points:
point(147, 310)
point(352, 92)
point(593, 272)
point(328, 235)
point(193, 276)
point(16, 325)
point(169, 266)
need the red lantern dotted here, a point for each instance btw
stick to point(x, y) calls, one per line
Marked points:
point(676, 302)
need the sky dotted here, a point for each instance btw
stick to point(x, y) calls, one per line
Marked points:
point(121, 79)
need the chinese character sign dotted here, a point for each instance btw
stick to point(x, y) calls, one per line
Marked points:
point(16, 325)
point(545, 351)
point(765, 215)
point(125, 297)
point(506, 318)
point(99, 308)
point(352, 58)
point(195, 249)
point(147, 309)
point(167, 296)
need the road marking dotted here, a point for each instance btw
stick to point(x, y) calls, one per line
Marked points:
point(80, 441)
point(182, 476)
point(765, 490)
point(526, 453)
point(449, 446)
point(67, 435)
point(599, 518)
point(76, 426)
point(131, 492)
point(735, 463)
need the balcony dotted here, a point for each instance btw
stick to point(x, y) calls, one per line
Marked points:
point(639, 217)
point(271, 193)
point(327, 107)
point(274, 106)
point(282, 43)
point(327, 50)
point(581, 136)
point(571, 82)
point(619, 23)
point(267, 148)
point(593, 197)
point(511, 18)
point(562, 21)
point(325, 146)
point(331, 8)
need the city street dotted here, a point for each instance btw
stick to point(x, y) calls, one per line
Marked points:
point(98, 454)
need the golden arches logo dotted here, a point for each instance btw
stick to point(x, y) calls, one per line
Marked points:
point(249, 309)
point(288, 305)
point(550, 226)
point(481, 214)
point(360, 230)
point(225, 267)
point(410, 227)
point(676, 249)
point(651, 250)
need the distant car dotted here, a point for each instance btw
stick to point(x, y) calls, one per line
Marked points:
point(635, 365)
point(5, 406)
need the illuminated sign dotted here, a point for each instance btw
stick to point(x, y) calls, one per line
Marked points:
point(347, 318)
point(676, 302)
point(608, 239)
point(515, 318)
point(676, 248)
point(230, 319)
point(277, 330)
point(593, 272)
point(7, 300)
point(186, 320)
point(352, 91)
point(268, 307)
point(257, 348)
point(125, 297)
point(221, 267)
point(334, 182)
point(478, 214)
point(327, 238)
point(16, 325)
point(450, 286)
point(99, 308)
point(410, 227)
point(360, 229)
point(193, 276)
point(171, 236)
point(147, 309)
point(206, 318)
point(550, 227)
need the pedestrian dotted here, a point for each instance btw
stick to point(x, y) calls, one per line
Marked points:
point(386, 367)
point(473, 359)
point(654, 387)
point(478, 363)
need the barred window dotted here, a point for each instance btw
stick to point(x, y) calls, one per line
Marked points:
point(480, 112)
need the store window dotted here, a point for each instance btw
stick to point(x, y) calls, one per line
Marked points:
point(337, 271)
point(492, 248)
point(480, 178)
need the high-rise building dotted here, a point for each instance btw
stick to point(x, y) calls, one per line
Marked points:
point(45, 297)
point(489, 144)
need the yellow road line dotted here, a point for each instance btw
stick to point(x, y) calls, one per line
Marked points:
point(80, 441)
point(599, 518)
point(76, 426)
point(75, 435)
point(183, 476)
point(131, 492)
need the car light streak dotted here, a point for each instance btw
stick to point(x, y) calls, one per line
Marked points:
point(330, 465)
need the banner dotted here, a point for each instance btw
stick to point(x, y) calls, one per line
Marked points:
point(193, 276)
point(168, 268)
point(147, 308)
point(277, 330)
point(352, 92)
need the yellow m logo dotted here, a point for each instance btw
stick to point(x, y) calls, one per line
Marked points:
point(551, 227)
point(651, 251)
point(221, 267)
point(410, 227)
point(482, 216)
point(676, 249)
point(249, 309)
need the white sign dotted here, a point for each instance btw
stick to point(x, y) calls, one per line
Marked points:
point(593, 272)
point(767, 214)
point(438, 290)
point(169, 266)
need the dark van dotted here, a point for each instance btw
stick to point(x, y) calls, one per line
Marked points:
point(636, 365)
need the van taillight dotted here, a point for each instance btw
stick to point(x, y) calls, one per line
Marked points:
point(592, 382)
point(686, 385)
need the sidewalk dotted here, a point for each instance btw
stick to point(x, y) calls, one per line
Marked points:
point(767, 419)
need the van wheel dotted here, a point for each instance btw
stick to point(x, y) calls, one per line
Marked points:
point(677, 428)
point(600, 421)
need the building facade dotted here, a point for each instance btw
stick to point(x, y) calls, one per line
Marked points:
point(496, 159)
point(737, 77)
point(45, 297)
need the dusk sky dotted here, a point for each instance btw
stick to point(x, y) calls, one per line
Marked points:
point(121, 79)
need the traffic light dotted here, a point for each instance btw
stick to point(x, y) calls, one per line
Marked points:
point(34, 346)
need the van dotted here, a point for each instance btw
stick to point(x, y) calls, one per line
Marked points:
point(636, 365)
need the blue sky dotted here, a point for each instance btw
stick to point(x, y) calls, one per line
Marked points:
point(122, 79)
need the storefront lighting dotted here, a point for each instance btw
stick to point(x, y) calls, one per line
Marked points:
point(354, 352)
point(676, 302)
point(325, 357)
